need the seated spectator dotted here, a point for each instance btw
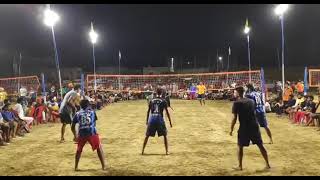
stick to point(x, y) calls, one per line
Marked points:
point(304, 109)
point(4, 132)
point(53, 108)
point(20, 112)
point(39, 114)
point(278, 107)
point(296, 107)
point(290, 105)
point(12, 121)
point(314, 115)
point(267, 107)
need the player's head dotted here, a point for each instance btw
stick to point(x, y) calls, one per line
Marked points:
point(6, 107)
point(159, 91)
point(77, 88)
point(299, 96)
point(201, 83)
point(84, 104)
point(250, 87)
point(70, 86)
point(291, 96)
point(19, 100)
point(239, 92)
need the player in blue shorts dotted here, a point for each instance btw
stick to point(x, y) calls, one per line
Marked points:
point(257, 97)
point(156, 122)
point(87, 132)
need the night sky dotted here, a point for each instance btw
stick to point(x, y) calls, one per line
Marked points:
point(149, 34)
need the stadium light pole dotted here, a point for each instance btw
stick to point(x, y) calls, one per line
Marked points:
point(279, 11)
point(50, 19)
point(220, 61)
point(93, 38)
point(247, 32)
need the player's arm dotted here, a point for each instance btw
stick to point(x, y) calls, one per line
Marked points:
point(168, 115)
point(148, 113)
point(234, 119)
point(233, 123)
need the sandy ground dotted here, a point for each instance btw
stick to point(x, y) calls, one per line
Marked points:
point(199, 145)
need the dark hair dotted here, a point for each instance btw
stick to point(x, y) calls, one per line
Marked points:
point(84, 103)
point(311, 97)
point(159, 91)
point(240, 90)
point(250, 87)
point(6, 101)
point(19, 100)
point(5, 107)
point(77, 87)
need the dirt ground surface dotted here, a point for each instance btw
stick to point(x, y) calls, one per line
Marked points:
point(199, 144)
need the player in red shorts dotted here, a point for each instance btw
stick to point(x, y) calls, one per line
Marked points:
point(86, 118)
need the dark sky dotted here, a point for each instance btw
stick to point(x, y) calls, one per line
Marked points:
point(149, 34)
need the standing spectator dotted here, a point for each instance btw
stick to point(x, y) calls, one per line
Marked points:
point(300, 87)
point(287, 93)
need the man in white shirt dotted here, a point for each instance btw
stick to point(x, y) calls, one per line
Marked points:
point(18, 108)
point(67, 108)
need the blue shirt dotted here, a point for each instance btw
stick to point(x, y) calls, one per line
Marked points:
point(7, 115)
point(87, 122)
point(257, 97)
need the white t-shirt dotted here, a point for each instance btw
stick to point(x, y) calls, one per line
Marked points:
point(23, 91)
point(1, 118)
point(67, 98)
point(19, 109)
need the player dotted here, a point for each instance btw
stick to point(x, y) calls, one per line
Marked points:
point(156, 122)
point(68, 108)
point(257, 98)
point(86, 118)
point(201, 93)
point(244, 109)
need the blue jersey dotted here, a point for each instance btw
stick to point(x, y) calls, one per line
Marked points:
point(157, 106)
point(87, 122)
point(257, 97)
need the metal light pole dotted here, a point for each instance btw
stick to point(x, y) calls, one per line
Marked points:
point(93, 37)
point(280, 10)
point(50, 19)
point(246, 31)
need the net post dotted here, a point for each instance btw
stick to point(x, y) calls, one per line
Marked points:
point(306, 86)
point(43, 86)
point(82, 84)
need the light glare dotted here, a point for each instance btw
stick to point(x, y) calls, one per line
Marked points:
point(93, 36)
point(246, 30)
point(281, 9)
point(50, 17)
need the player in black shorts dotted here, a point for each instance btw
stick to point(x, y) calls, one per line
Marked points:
point(244, 109)
point(156, 121)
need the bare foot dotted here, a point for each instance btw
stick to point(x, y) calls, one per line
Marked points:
point(167, 153)
point(267, 167)
point(237, 168)
point(62, 141)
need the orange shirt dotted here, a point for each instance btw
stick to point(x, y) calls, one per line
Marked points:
point(287, 92)
point(300, 87)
